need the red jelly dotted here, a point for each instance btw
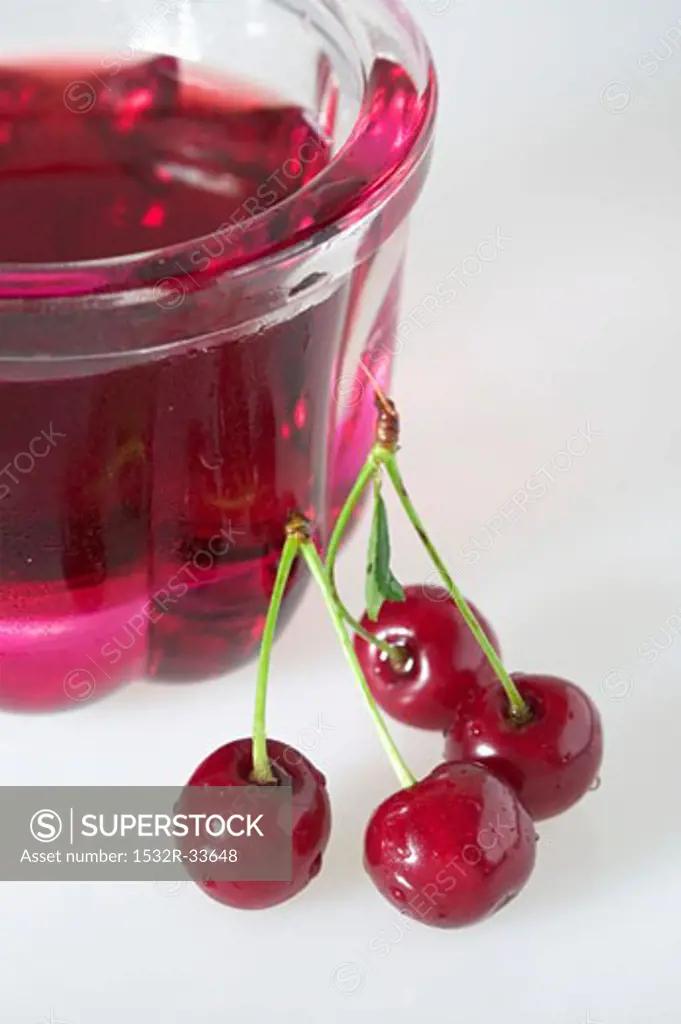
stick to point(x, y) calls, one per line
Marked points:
point(165, 404)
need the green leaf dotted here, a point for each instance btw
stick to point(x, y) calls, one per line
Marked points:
point(381, 585)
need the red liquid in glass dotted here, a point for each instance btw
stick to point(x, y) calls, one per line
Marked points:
point(142, 506)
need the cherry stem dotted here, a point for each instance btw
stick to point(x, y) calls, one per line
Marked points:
point(370, 470)
point(262, 771)
point(321, 577)
point(519, 710)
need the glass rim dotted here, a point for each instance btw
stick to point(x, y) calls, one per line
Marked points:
point(73, 280)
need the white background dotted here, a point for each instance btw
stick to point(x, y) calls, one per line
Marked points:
point(575, 322)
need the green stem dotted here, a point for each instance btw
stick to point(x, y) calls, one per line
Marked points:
point(519, 709)
point(262, 772)
point(369, 471)
point(321, 577)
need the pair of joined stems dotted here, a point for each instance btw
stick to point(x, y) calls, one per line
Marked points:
point(380, 457)
point(298, 542)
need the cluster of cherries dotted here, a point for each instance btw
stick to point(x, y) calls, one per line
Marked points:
point(502, 771)
point(456, 846)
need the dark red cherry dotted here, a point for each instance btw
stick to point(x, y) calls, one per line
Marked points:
point(552, 760)
point(452, 849)
point(232, 765)
point(442, 659)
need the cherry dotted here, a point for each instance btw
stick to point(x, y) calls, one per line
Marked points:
point(452, 849)
point(232, 765)
point(552, 760)
point(441, 659)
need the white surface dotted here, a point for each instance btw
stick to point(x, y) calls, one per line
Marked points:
point(577, 320)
